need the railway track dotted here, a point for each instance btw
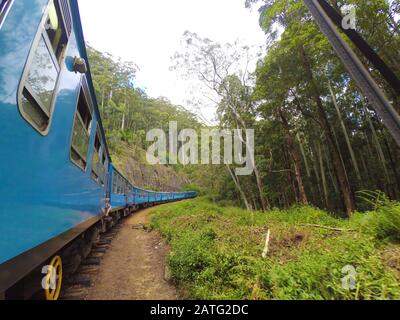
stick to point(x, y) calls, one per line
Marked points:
point(136, 244)
point(76, 287)
point(82, 259)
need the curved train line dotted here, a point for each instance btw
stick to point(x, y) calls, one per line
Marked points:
point(59, 187)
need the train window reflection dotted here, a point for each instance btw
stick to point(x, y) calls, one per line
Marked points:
point(38, 85)
point(81, 132)
point(96, 156)
point(55, 31)
point(103, 166)
point(115, 183)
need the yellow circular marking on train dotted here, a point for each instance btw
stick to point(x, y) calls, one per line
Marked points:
point(53, 279)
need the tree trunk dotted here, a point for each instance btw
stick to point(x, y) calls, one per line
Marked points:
point(254, 203)
point(123, 122)
point(392, 165)
point(340, 152)
point(295, 156)
point(286, 156)
point(285, 200)
point(263, 199)
point(323, 176)
point(346, 135)
point(343, 182)
point(303, 153)
point(329, 169)
point(102, 100)
point(378, 148)
point(238, 186)
point(315, 165)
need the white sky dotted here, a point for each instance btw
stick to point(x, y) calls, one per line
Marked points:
point(148, 33)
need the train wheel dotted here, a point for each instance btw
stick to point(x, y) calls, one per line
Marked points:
point(53, 279)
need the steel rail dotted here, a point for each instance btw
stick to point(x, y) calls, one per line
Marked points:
point(357, 70)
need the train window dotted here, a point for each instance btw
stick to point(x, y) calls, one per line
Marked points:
point(96, 156)
point(55, 30)
point(124, 186)
point(39, 87)
point(114, 183)
point(103, 166)
point(81, 132)
point(120, 184)
point(36, 93)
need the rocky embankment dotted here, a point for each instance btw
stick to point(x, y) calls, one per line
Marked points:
point(131, 161)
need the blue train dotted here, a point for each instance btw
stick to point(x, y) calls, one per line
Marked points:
point(58, 184)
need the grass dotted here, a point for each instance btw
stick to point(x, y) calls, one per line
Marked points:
point(216, 252)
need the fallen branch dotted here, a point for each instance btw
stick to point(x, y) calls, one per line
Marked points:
point(324, 227)
point(265, 251)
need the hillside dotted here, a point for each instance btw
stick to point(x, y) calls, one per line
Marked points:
point(131, 161)
point(128, 114)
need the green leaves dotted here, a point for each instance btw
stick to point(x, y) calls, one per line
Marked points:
point(128, 113)
point(216, 254)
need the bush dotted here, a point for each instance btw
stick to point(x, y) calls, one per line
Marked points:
point(190, 256)
point(387, 224)
point(216, 252)
point(384, 221)
point(193, 187)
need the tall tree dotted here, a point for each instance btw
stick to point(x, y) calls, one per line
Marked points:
point(224, 72)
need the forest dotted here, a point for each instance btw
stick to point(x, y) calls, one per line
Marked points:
point(318, 141)
point(324, 192)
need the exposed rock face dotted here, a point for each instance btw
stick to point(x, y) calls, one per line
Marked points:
point(154, 177)
point(157, 177)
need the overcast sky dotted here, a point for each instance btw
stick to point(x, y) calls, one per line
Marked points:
point(149, 32)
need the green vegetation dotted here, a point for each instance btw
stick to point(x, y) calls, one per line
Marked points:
point(216, 252)
point(384, 221)
point(127, 112)
point(318, 144)
point(317, 140)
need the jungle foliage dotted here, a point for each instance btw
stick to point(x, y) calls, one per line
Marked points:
point(321, 155)
point(216, 252)
point(128, 113)
point(318, 140)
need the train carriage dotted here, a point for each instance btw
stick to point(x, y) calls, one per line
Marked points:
point(59, 186)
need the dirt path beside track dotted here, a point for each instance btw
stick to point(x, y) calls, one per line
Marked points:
point(134, 266)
